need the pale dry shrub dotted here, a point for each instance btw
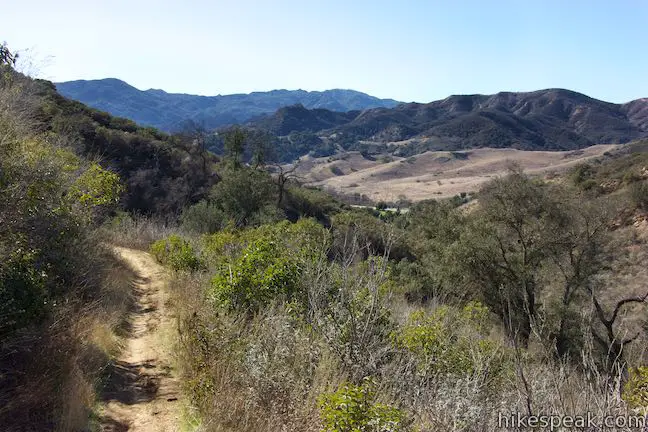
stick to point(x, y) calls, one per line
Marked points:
point(248, 373)
point(137, 232)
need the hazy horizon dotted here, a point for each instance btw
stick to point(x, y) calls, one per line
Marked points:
point(330, 89)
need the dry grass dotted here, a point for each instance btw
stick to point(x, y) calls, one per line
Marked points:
point(136, 232)
point(435, 174)
point(51, 373)
point(246, 374)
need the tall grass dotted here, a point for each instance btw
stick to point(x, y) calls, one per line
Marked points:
point(137, 232)
point(52, 373)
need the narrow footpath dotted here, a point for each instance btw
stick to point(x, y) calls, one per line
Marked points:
point(142, 390)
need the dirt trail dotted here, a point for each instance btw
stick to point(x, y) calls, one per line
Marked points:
point(142, 392)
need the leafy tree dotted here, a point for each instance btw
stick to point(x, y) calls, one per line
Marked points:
point(578, 254)
point(504, 246)
point(431, 228)
point(204, 217)
point(260, 143)
point(235, 141)
point(242, 194)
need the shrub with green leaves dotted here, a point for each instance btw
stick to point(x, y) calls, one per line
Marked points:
point(307, 238)
point(97, 187)
point(635, 391)
point(582, 173)
point(639, 194)
point(373, 235)
point(204, 217)
point(23, 293)
point(177, 253)
point(454, 343)
point(263, 271)
point(221, 247)
point(243, 195)
point(355, 408)
point(305, 202)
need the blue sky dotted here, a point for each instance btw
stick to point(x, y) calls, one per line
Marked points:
point(407, 50)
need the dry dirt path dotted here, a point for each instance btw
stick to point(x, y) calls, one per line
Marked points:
point(142, 392)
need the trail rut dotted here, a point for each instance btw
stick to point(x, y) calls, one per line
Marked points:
point(142, 391)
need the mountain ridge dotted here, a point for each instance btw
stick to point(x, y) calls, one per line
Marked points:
point(549, 119)
point(168, 111)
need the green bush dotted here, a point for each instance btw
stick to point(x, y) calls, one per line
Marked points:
point(177, 253)
point(262, 272)
point(635, 390)
point(221, 247)
point(204, 217)
point(639, 195)
point(582, 173)
point(369, 231)
point(242, 194)
point(631, 177)
point(97, 186)
point(306, 202)
point(451, 342)
point(354, 409)
point(336, 170)
point(590, 185)
point(307, 238)
point(304, 239)
point(23, 294)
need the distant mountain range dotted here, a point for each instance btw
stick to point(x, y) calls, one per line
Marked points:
point(322, 123)
point(167, 111)
point(553, 119)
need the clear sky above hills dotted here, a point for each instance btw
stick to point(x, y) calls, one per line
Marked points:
point(407, 50)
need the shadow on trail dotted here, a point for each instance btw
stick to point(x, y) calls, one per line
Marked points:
point(111, 425)
point(132, 383)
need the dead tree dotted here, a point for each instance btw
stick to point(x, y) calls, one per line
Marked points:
point(6, 56)
point(283, 176)
point(613, 342)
